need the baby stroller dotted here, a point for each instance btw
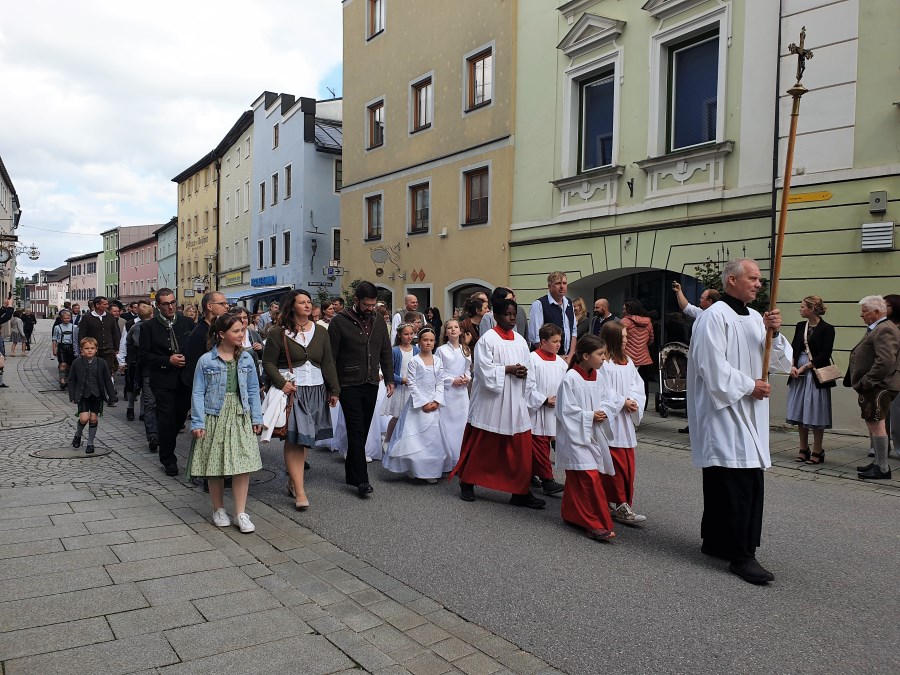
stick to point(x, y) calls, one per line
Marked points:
point(672, 378)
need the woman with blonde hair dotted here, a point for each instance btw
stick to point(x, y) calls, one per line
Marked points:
point(809, 401)
point(582, 320)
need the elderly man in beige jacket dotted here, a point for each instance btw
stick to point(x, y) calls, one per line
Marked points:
point(874, 373)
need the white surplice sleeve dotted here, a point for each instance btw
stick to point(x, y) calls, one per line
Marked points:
point(782, 355)
point(571, 414)
point(492, 375)
point(610, 406)
point(636, 393)
point(726, 384)
point(414, 381)
point(438, 396)
point(446, 355)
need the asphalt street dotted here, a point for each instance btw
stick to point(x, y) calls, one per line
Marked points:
point(650, 602)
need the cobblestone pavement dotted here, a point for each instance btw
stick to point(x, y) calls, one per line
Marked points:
point(108, 566)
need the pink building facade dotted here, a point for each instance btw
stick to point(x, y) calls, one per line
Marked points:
point(83, 282)
point(137, 270)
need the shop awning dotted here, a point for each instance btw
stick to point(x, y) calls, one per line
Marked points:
point(250, 293)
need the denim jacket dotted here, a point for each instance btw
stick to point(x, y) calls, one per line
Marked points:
point(210, 379)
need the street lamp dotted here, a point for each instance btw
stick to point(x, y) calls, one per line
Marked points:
point(12, 250)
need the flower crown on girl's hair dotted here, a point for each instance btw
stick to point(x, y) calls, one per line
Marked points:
point(426, 329)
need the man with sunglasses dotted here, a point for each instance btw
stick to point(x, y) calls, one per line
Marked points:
point(162, 342)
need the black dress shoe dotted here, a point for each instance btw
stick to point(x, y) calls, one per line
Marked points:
point(364, 490)
point(153, 444)
point(111, 404)
point(528, 501)
point(129, 414)
point(467, 492)
point(535, 482)
point(685, 430)
point(171, 470)
point(6, 386)
point(875, 473)
point(861, 469)
point(89, 450)
point(751, 571)
point(871, 454)
point(551, 487)
point(76, 442)
point(141, 417)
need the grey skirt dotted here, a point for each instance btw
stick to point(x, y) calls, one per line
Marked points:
point(807, 404)
point(310, 418)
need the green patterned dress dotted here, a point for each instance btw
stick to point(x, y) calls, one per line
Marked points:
point(229, 447)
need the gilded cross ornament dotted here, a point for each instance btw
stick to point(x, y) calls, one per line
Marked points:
point(802, 54)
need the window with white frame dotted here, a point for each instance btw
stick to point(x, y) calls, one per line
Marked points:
point(286, 243)
point(246, 196)
point(419, 208)
point(273, 250)
point(237, 157)
point(262, 196)
point(476, 194)
point(237, 202)
point(693, 83)
point(338, 175)
point(246, 258)
point(597, 108)
point(260, 254)
point(247, 148)
point(274, 188)
point(275, 136)
point(336, 244)
point(288, 180)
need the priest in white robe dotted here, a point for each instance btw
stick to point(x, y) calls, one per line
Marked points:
point(728, 413)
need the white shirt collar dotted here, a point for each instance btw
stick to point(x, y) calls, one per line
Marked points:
point(872, 325)
point(99, 316)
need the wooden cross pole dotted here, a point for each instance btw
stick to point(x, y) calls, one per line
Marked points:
point(796, 92)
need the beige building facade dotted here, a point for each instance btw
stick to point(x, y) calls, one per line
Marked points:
point(198, 219)
point(428, 147)
point(236, 173)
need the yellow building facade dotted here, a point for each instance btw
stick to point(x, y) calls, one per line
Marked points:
point(198, 225)
point(426, 195)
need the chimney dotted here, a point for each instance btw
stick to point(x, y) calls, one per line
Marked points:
point(308, 108)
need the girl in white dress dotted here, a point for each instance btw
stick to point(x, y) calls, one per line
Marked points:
point(456, 360)
point(403, 352)
point(418, 448)
point(619, 374)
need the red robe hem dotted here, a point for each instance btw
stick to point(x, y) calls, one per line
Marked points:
point(495, 461)
point(584, 502)
point(540, 451)
point(620, 488)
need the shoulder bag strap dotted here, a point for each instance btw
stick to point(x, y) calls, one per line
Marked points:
point(287, 351)
point(806, 344)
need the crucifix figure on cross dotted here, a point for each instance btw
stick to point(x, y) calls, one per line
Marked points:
point(802, 54)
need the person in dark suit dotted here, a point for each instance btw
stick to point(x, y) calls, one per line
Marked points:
point(809, 401)
point(874, 372)
point(162, 342)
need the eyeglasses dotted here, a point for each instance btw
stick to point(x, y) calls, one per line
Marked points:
point(223, 302)
point(167, 304)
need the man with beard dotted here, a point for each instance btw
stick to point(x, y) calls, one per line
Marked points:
point(360, 344)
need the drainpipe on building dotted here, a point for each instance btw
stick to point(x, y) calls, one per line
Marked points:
point(214, 278)
point(776, 130)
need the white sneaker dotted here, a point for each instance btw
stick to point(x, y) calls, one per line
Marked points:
point(625, 514)
point(243, 522)
point(368, 460)
point(220, 518)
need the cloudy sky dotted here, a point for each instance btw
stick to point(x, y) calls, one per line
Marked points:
point(104, 102)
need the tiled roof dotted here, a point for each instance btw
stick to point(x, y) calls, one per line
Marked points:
point(329, 136)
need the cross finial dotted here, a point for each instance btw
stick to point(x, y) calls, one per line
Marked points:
point(802, 54)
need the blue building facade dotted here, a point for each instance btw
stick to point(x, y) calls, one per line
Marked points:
point(167, 255)
point(296, 205)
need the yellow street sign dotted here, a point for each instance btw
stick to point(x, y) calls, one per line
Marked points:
point(809, 197)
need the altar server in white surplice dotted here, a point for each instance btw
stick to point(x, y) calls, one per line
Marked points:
point(496, 447)
point(728, 413)
point(456, 360)
point(549, 368)
point(417, 447)
point(619, 374)
point(584, 409)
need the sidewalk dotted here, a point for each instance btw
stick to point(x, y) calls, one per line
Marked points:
point(108, 566)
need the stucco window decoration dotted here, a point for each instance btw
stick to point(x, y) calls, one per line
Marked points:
point(675, 173)
point(589, 33)
point(693, 82)
point(663, 9)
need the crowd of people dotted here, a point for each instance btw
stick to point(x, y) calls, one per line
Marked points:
point(487, 396)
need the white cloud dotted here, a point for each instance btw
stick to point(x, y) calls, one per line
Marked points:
point(105, 102)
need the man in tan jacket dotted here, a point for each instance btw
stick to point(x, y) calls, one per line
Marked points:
point(874, 373)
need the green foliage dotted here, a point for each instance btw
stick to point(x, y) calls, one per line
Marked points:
point(322, 295)
point(349, 293)
point(710, 275)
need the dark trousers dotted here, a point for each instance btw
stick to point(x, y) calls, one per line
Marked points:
point(732, 511)
point(172, 406)
point(358, 406)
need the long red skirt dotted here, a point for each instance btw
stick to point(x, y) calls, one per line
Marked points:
point(540, 453)
point(620, 488)
point(495, 461)
point(584, 502)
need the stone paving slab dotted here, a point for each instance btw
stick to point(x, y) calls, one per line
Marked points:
point(108, 658)
point(30, 548)
point(32, 641)
point(51, 584)
point(234, 604)
point(142, 570)
point(50, 609)
point(55, 562)
point(153, 619)
point(301, 655)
